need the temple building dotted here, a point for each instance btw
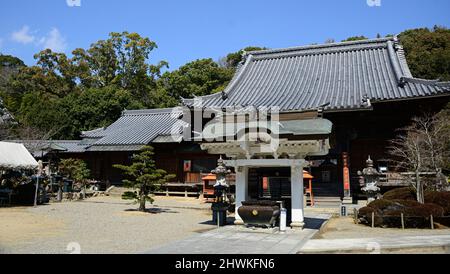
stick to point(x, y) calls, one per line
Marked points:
point(336, 105)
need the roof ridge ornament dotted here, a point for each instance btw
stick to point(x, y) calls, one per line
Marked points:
point(393, 57)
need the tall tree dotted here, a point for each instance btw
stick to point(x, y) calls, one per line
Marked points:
point(356, 38)
point(197, 78)
point(121, 60)
point(422, 148)
point(233, 59)
point(428, 52)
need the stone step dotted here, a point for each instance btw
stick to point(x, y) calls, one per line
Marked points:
point(116, 191)
point(327, 199)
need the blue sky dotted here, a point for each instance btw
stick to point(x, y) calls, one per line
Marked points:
point(186, 30)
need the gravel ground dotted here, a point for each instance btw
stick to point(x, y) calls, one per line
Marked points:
point(100, 225)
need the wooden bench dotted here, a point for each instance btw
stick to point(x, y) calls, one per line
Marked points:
point(187, 192)
point(5, 197)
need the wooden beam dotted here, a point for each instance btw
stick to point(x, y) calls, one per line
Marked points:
point(266, 163)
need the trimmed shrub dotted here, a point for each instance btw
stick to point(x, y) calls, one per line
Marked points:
point(382, 204)
point(366, 211)
point(425, 210)
point(439, 198)
point(384, 207)
point(407, 203)
point(387, 213)
point(404, 193)
point(365, 216)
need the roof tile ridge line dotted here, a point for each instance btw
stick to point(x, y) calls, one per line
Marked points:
point(228, 89)
point(395, 63)
point(320, 51)
point(234, 81)
point(320, 46)
point(398, 47)
point(155, 111)
point(425, 81)
point(402, 57)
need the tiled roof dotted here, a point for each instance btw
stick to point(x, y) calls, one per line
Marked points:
point(342, 76)
point(96, 133)
point(41, 147)
point(135, 129)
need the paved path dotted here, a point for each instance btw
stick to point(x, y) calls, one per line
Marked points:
point(239, 240)
point(374, 244)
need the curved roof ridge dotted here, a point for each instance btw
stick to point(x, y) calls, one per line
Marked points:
point(321, 46)
point(294, 77)
point(148, 111)
point(92, 132)
point(436, 82)
point(402, 57)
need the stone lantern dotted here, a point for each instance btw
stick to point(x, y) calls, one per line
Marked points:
point(371, 178)
point(221, 205)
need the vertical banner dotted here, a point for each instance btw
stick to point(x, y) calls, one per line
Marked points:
point(265, 184)
point(346, 174)
point(187, 166)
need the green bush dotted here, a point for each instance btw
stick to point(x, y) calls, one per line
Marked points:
point(388, 212)
point(404, 193)
point(425, 210)
point(366, 211)
point(407, 203)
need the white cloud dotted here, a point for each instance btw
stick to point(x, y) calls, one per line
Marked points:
point(54, 41)
point(23, 36)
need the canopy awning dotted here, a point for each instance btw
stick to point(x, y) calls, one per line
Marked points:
point(309, 127)
point(16, 156)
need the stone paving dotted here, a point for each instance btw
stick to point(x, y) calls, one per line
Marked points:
point(240, 240)
point(375, 245)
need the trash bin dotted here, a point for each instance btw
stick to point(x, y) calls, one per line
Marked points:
point(67, 186)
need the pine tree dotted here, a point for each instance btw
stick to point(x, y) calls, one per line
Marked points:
point(144, 177)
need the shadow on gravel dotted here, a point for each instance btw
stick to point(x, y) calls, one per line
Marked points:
point(314, 223)
point(153, 210)
point(100, 202)
point(230, 221)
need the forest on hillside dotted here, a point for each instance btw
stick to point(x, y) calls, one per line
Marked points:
point(61, 96)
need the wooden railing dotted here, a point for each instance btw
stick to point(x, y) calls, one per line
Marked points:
point(402, 178)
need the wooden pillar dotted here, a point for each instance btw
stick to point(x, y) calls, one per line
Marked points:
point(241, 191)
point(297, 200)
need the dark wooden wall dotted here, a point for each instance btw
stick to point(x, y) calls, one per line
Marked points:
point(367, 133)
point(361, 134)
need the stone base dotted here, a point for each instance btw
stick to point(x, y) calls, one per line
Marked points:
point(238, 222)
point(347, 201)
point(254, 229)
point(297, 225)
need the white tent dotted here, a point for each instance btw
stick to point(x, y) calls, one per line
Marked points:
point(16, 156)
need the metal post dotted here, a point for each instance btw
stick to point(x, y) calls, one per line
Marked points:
point(432, 222)
point(373, 219)
point(36, 191)
point(403, 221)
point(218, 219)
